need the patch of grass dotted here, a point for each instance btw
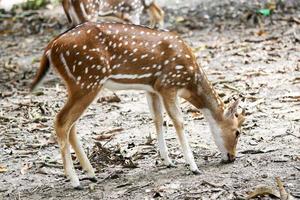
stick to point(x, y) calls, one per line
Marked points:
point(37, 4)
point(34, 4)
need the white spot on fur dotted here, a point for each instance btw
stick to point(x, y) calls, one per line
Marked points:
point(179, 67)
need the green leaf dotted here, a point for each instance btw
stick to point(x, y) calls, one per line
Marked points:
point(264, 12)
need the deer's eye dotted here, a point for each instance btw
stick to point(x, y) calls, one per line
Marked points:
point(237, 133)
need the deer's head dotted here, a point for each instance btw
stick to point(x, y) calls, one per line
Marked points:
point(227, 130)
point(230, 127)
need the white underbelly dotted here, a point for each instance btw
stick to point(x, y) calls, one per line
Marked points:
point(112, 85)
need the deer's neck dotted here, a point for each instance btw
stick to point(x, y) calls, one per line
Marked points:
point(204, 96)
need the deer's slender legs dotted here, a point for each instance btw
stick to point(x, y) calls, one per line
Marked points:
point(81, 155)
point(156, 111)
point(65, 119)
point(156, 15)
point(173, 110)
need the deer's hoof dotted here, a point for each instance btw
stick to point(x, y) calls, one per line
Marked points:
point(171, 165)
point(93, 179)
point(197, 172)
point(79, 187)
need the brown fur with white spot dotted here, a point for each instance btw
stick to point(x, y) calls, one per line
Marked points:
point(120, 56)
point(80, 11)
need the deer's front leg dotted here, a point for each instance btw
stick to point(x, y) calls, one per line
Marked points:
point(155, 107)
point(172, 108)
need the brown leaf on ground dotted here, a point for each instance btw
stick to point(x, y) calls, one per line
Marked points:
point(106, 135)
point(25, 168)
point(3, 169)
point(109, 99)
point(263, 191)
point(103, 156)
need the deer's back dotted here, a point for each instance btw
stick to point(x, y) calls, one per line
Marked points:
point(92, 53)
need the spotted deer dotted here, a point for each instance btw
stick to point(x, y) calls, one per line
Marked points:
point(79, 11)
point(93, 56)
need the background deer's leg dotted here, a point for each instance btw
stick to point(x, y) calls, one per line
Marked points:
point(156, 111)
point(156, 15)
point(173, 110)
point(65, 119)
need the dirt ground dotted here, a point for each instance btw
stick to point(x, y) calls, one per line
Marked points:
point(239, 58)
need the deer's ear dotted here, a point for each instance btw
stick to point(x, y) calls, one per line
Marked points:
point(231, 111)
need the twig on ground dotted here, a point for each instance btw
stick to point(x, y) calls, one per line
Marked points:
point(257, 151)
point(46, 164)
point(283, 193)
point(232, 88)
point(258, 40)
point(290, 19)
point(212, 184)
point(129, 190)
point(108, 134)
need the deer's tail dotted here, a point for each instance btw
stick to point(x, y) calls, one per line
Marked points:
point(44, 68)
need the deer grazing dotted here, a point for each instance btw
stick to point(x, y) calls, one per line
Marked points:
point(79, 11)
point(93, 56)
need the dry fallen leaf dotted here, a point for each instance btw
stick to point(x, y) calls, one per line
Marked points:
point(25, 168)
point(109, 99)
point(179, 19)
point(263, 191)
point(261, 33)
point(3, 169)
point(108, 134)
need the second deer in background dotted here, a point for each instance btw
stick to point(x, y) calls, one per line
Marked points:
point(79, 11)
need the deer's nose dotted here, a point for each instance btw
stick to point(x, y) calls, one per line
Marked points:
point(230, 157)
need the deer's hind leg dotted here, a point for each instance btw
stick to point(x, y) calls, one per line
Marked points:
point(81, 155)
point(76, 104)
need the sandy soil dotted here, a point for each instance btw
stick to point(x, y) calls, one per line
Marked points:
point(264, 69)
